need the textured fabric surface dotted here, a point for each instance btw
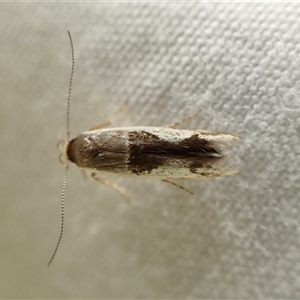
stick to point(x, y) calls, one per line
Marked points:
point(236, 64)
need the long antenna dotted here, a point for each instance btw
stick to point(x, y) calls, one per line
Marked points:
point(70, 89)
point(66, 169)
point(62, 215)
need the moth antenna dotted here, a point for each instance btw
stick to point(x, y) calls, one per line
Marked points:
point(62, 215)
point(66, 168)
point(70, 89)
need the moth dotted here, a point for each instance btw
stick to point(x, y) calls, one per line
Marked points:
point(163, 153)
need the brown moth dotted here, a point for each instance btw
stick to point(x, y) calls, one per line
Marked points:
point(163, 153)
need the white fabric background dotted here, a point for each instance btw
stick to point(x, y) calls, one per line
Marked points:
point(237, 65)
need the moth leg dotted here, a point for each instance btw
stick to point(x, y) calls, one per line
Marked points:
point(111, 184)
point(173, 125)
point(177, 185)
point(115, 117)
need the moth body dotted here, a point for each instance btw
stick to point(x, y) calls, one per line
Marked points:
point(156, 152)
point(144, 152)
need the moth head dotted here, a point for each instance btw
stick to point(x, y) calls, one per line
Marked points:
point(69, 153)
